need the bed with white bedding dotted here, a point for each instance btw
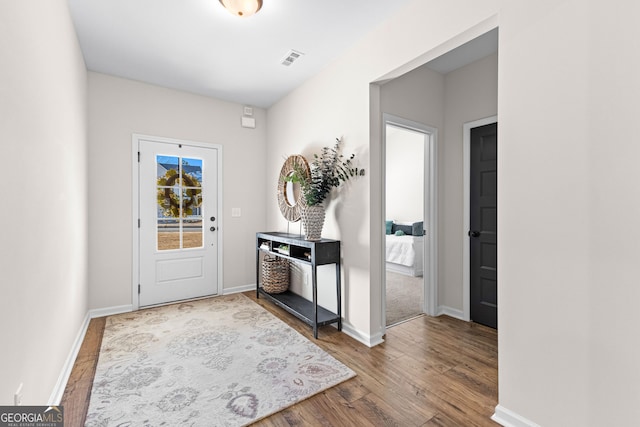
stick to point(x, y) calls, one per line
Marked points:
point(404, 249)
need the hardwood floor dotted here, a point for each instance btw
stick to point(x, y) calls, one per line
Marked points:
point(428, 372)
point(75, 399)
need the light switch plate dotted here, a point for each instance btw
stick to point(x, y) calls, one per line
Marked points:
point(236, 212)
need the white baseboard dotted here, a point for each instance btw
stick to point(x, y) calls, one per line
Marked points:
point(109, 311)
point(63, 378)
point(368, 340)
point(451, 312)
point(508, 418)
point(238, 289)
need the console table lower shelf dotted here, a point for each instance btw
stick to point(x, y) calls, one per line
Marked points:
point(301, 308)
point(305, 252)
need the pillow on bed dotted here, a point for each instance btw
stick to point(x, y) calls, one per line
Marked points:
point(400, 233)
point(389, 225)
point(406, 229)
point(417, 228)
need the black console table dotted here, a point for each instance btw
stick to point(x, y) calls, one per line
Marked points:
point(313, 253)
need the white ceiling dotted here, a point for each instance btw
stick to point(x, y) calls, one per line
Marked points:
point(197, 46)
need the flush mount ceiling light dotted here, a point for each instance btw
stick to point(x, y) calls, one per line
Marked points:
point(242, 8)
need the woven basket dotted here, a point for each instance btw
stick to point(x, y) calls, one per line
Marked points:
point(275, 275)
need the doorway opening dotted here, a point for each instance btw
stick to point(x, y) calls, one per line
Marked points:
point(445, 90)
point(410, 219)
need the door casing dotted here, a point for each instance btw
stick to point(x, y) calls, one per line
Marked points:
point(430, 275)
point(466, 211)
point(135, 209)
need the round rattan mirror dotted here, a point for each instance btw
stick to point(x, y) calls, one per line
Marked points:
point(290, 198)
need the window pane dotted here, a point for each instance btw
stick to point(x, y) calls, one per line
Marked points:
point(191, 202)
point(168, 170)
point(168, 234)
point(192, 233)
point(192, 172)
point(168, 202)
point(192, 224)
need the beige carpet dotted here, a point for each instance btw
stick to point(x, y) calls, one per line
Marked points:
point(221, 361)
point(404, 297)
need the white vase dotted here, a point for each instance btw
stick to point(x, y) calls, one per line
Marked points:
point(313, 221)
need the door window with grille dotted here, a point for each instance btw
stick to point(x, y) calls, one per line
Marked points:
point(179, 198)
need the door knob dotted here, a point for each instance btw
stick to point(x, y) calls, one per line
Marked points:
point(212, 229)
point(474, 233)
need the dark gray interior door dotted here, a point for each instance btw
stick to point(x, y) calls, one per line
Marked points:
point(483, 231)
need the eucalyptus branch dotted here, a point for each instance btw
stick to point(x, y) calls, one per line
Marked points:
point(328, 170)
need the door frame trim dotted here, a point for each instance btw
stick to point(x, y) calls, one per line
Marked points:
point(466, 211)
point(430, 209)
point(135, 208)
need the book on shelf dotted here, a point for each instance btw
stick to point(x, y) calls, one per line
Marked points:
point(283, 249)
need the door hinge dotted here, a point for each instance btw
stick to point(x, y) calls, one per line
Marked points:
point(138, 157)
point(138, 222)
point(138, 288)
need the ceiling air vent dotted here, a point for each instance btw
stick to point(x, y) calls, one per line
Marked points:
point(291, 57)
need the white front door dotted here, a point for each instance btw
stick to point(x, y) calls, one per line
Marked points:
point(178, 211)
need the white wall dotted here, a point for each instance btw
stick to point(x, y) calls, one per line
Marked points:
point(117, 109)
point(471, 93)
point(568, 240)
point(336, 102)
point(568, 149)
point(43, 249)
point(404, 187)
point(302, 123)
point(614, 207)
point(417, 96)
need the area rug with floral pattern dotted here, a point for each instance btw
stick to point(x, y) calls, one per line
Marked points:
point(222, 361)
